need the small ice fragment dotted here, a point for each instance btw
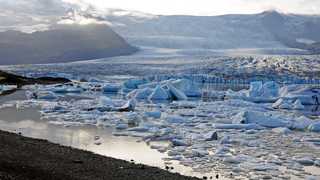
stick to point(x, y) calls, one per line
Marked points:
point(178, 142)
point(122, 126)
point(298, 105)
point(315, 127)
point(211, 136)
point(175, 119)
point(281, 130)
point(153, 114)
point(111, 88)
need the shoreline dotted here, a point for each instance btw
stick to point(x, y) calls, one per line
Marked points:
point(23, 158)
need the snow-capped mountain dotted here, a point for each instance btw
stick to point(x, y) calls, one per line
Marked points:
point(270, 29)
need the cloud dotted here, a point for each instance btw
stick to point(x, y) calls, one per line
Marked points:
point(38, 14)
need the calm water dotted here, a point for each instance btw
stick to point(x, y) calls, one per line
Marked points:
point(28, 122)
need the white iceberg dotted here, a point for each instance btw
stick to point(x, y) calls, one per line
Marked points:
point(263, 119)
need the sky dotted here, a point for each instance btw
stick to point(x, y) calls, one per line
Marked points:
point(207, 7)
point(34, 15)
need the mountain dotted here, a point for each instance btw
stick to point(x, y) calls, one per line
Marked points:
point(62, 43)
point(269, 29)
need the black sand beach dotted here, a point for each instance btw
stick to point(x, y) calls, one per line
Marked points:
point(24, 158)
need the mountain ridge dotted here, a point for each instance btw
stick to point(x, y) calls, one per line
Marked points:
point(62, 43)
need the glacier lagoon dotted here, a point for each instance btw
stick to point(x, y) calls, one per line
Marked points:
point(234, 133)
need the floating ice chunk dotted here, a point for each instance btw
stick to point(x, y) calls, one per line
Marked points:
point(64, 89)
point(188, 87)
point(132, 118)
point(232, 160)
point(154, 114)
point(178, 142)
point(278, 103)
point(176, 94)
point(226, 140)
point(46, 95)
point(312, 178)
point(199, 152)
point(105, 102)
point(159, 94)
point(298, 105)
point(280, 130)
point(265, 119)
point(122, 126)
point(139, 129)
point(270, 89)
point(315, 127)
point(111, 88)
point(31, 95)
point(306, 161)
point(301, 123)
point(184, 104)
point(148, 85)
point(211, 136)
point(143, 93)
point(221, 150)
point(256, 89)
point(306, 95)
point(237, 126)
point(134, 83)
point(174, 119)
point(7, 87)
point(129, 106)
point(285, 105)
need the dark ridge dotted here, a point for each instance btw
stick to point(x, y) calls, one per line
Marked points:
point(62, 43)
point(13, 79)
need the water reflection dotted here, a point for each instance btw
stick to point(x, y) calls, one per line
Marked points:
point(28, 122)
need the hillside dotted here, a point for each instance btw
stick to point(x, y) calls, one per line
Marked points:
point(270, 29)
point(62, 43)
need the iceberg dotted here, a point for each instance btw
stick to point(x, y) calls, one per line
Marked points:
point(143, 93)
point(159, 94)
point(134, 83)
point(256, 89)
point(306, 95)
point(262, 118)
point(297, 105)
point(176, 94)
point(189, 88)
point(270, 89)
point(315, 127)
point(111, 88)
point(129, 106)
